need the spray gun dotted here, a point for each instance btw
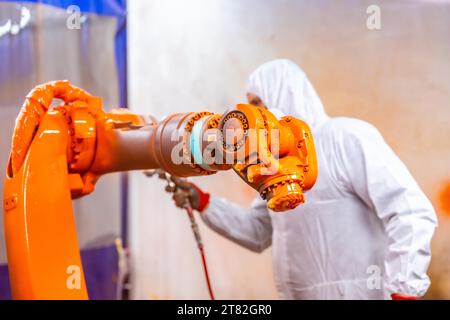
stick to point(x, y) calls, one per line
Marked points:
point(173, 184)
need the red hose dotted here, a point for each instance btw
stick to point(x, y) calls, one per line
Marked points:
point(202, 251)
point(205, 270)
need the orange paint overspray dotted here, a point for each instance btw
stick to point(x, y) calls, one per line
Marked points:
point(444, 199)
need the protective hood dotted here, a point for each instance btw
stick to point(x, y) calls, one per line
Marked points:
point(283, 86)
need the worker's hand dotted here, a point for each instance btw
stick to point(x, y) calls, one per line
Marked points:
point(187, 193)
point(397, 296)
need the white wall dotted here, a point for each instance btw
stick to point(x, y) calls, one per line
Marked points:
point(195, 55)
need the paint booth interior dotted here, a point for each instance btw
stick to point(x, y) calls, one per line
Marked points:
point(163, 57)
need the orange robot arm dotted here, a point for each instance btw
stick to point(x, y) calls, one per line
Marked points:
point(58, 154)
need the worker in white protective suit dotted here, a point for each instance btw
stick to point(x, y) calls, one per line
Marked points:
point(365, 229)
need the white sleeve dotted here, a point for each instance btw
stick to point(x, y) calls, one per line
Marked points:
point(384, 183)
point(250, 228)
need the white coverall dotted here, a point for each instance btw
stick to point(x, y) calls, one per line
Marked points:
point(365, 229)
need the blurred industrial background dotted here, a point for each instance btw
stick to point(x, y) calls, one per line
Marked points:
point(196, 55)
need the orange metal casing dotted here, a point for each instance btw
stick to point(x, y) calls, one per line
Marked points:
point(39, 222)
